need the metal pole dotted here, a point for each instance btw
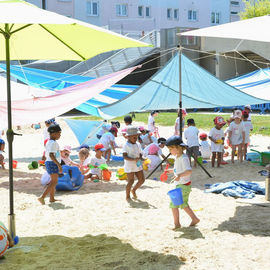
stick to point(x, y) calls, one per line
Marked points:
point(43, 4)
point(180, 91)
point(10, 136)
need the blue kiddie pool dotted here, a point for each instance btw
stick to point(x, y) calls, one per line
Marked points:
point(176, 196)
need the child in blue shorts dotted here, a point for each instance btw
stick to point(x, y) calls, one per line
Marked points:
point(52, 163)
point(182, 172)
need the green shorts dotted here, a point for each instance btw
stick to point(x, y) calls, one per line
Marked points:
point(185, 193)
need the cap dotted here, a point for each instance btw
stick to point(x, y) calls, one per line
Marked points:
point(161, 140)
point(85, 146)
point(54, 128)
point(66, 148)
point(203, 135)
point(219, 121)
point(132, 131)
point(100, 147)
point(2, 141)
point(141, 128)
point(175, 140)
point(248, 107)
point(237, 114)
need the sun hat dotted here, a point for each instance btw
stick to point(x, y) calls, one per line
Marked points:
point(153, 149)
point(219, 121)
point(132, 131)
point(85, 146)
point(66, 148)
point(175, 140)
point(54, 128)
point(100, 147)
point(237, 114)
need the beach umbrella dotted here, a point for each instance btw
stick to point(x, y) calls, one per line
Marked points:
point(30, 33)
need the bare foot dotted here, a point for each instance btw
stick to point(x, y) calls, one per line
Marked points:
point(176, 227)
point(54, 200)
point(194, 222)
point(134, 194)
point(41, 200)
point(129, 200)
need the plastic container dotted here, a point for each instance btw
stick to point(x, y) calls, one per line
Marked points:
point(117, 158)
point(253, 157)
point(176, 196)
point(14, 164)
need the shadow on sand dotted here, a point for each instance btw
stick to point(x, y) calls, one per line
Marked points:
point(88, 252)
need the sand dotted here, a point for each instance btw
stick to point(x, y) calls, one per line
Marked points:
point(94, 228)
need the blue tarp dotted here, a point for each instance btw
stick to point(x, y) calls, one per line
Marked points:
point(56, 81)
point(238, 189)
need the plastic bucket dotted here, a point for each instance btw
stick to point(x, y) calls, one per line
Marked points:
point(14, 164)
point(176, 196)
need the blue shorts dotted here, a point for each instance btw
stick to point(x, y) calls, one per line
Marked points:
point(51, 167)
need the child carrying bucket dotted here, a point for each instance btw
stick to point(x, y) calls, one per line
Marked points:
point(182, 172)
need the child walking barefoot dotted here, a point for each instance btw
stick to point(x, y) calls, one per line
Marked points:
point(182, 172)
point(132, 154)
point(52, 162)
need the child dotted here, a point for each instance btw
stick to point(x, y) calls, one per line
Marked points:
point(46, 135)
point(52, 162)
point(205, 147)
point(146, 138)
point(191, 135)
point(248, 110)
point(10, 240)
point(237, 135)
point(128, 122)
point(247, 127)
point(177, 122)
point(182, 172)
point(84, 156)
point(2, 148)
point(97, 160)
point(104, 128)
point(65, 156)
point(108, 140)
point(160, 144)
point(132, 154)
point(151, 123)
point(153, 156)
point(216, 136)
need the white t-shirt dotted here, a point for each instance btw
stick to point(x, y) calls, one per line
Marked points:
point(133, 151)
point(237, 132)
point(205, 149)
point(146, 141)
point(106, 139)
point(181, 165)
point(155, 160)
point(247, 127)
point(146, 150)
point(176, 126)
point(151, 123)
point(52, 147)
point(216, 134)
point(97, 162)
point(191, 135)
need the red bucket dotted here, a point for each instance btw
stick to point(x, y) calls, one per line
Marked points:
point(14, 164)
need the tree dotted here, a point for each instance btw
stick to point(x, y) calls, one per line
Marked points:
point(255, 8)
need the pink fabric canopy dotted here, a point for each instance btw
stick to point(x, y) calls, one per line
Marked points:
point(37, 109)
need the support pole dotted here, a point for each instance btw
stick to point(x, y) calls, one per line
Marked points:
point(267, 186)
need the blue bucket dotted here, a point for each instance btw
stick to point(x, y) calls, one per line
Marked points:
point(176, 196)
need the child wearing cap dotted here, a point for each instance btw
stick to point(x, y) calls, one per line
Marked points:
point(182, 172)
point(153, 156)
point(52, 163)
point(191, 135)
point(108, 140)
point(2, 149)
point(205, 147)
point(65, 156)
point(132, 153)
point(237, 135)
point(247, 127)
point(248, 110)
point(96, 161)
point(216, 136)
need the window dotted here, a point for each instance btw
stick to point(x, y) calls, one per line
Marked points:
point(121, 10)
point(92, 8)
point(215, 17)
point(235, 3)
point(147, 12)
point(234, 13)
point(140, 11)
point(176, 14)
point(169, 13)
point(192, 15)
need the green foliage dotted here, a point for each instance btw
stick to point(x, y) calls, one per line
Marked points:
point(255, 8)
point(203, 120)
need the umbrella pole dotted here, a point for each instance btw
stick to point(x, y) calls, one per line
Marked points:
point(10, 136)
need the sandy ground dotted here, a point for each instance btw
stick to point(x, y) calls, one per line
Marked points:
point(94, 228)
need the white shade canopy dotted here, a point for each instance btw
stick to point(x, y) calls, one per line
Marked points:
point(256, 29)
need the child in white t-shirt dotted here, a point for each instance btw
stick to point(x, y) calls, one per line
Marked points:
point(151, 123)
point(96, 161)
point(182, 172)
point(237, 135)
point(153, 156)
point(177, 122)
point(108, 140)
point(132, 153)
point(205, 147)
point(247, 127)
point(216, 136)
point(146, 138)
point(84, 156)
point(191, 135)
